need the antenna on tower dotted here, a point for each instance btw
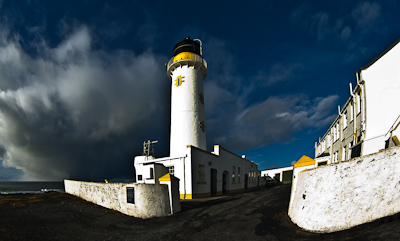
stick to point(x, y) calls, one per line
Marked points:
point(148, 148)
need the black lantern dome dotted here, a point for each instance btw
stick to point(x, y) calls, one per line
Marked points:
point(187, 45)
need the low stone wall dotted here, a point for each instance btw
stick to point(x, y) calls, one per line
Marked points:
point(150, 200)
point(339, 196)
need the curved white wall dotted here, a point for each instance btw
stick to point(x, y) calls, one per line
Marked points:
point(151, 200)
point(339, 196)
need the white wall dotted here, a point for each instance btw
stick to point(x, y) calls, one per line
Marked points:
point(295, 179)
point(187, 111)
point(182, 169)
point(151, 200)
point(150, 173)
point(339, 196)
point(223, 161)
point(382, 87)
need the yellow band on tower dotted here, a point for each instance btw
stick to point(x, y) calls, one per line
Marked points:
point(183, 55)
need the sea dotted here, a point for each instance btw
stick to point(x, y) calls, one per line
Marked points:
point(30, 187)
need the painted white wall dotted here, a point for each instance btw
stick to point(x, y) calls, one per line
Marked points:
point(182, 169)
point(295, 179)
point(340, 196)
point(382, 87)
point(223, 161)
point(150, 200)
point(186, 169)
point(174, 198)
point(149, 172)
point(187, 111)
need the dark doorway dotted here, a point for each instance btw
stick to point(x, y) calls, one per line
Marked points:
point(246, 180)
point(224, 181)
point(213, 182)
point(287, 176)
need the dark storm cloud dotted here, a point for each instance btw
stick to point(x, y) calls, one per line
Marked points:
point(76, 112)
point(239, 125)
point(276, 119)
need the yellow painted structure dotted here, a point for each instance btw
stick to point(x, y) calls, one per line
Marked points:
point(184, 55)
point(304, 161)
point(166, 177)
point(186, 196)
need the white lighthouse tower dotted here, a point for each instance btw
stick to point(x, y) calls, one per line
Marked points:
point(187, 69)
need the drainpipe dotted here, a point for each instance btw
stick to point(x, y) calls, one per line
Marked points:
point(358, 78)
point(184, 179)
point(354, 112)
point(340, 134)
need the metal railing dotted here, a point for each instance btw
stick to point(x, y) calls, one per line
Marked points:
point(394, 126)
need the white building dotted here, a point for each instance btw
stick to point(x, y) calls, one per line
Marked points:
point(369, 120)
point(201, 173)
point(283, 174)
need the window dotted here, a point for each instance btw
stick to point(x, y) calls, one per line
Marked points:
point(337, 131)
point(335, 157)
point(233, 174)
point(359, 102)
point(349, 151)
point(151, 173)
point(328, 144)
point(334, 133)
point(351, 112)
point(130, 195)
point(344, 120)
point(202, 177)
point(171, 170)
point(139, 177)
point(344, 153)
point(238, 174)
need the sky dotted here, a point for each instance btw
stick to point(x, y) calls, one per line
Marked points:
point(83, 83)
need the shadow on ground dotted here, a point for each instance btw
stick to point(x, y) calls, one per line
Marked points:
point(254, 215)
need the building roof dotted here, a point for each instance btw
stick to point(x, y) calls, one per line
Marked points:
point(168, 177)
point(304, 161)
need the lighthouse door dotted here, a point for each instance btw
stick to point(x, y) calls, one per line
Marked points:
point(213, 182)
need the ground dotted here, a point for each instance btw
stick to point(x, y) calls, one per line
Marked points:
point(254, 215)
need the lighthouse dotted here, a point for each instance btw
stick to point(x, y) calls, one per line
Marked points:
point(187, 70)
